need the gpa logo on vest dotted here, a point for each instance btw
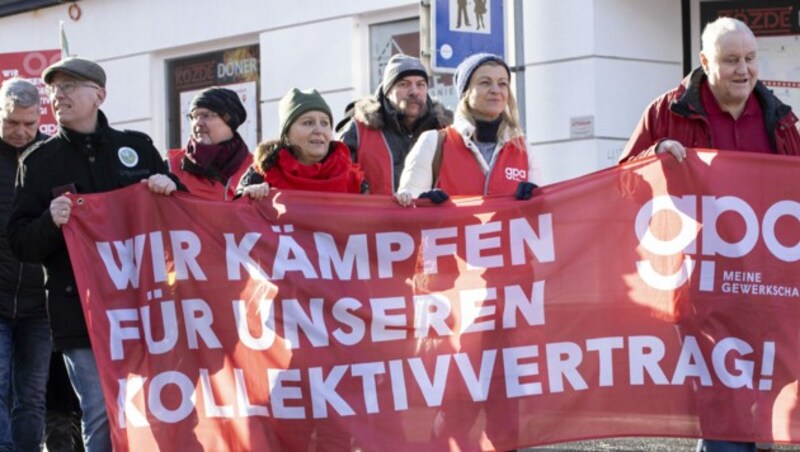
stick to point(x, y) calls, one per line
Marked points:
point(128, 156)
point(516, 174)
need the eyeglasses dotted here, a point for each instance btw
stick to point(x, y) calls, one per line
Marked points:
point(205, 116)
point(68, 86)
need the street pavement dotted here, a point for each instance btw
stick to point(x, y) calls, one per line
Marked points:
point(638, 445)
point(624, 444)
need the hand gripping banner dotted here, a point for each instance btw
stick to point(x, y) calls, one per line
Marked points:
point(653, 299)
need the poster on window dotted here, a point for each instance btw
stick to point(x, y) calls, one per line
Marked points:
point(236, 69)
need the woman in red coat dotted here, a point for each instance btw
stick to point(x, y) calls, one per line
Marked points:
point(304, 157)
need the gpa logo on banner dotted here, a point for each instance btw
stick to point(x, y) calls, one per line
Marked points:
point(516, 174)
point(698, 218)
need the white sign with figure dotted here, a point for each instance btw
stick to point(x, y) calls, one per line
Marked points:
point(471, 16)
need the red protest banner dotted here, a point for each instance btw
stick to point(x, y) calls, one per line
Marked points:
point(656, 298)
point(30, 65)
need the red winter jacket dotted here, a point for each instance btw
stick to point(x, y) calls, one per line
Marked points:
point(375, 158)
point(679, 115)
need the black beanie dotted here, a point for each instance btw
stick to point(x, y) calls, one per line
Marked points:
point(223, 102)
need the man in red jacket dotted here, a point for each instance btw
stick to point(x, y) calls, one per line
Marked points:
point(384, 127)
point(720, 105)
point(723, 106)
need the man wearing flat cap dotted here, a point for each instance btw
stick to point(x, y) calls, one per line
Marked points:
point(216, 156)
point(85, 156)
point(386, 125)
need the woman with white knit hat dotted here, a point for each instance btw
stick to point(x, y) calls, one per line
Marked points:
point(483, 152)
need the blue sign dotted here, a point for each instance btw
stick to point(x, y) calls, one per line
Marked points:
point(464, 27)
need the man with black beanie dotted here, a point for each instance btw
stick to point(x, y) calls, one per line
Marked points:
point(216, 156)
point(386, 125)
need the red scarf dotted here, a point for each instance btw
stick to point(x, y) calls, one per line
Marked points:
point(215, 161)
point(336, 173)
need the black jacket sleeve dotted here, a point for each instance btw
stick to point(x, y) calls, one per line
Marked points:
point(32, 235)
point(250, 177)
point(349, 136)
point(160, 165)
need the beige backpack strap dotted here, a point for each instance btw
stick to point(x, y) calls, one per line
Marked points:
point(437, 156)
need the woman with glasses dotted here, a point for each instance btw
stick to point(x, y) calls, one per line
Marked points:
point(216, 156)
point(305, 157)
point(86, 156)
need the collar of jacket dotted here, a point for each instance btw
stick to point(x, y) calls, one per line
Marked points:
point(774, 110)
point(392, 118)
point(98, 135)
point(689, 102)
point(372, 111)
point(13, 153)
point(467, 129)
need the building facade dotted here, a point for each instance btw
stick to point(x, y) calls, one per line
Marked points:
point(585, 69)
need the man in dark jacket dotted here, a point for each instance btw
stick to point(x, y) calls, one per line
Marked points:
point(24, 332)
point(86, 156)
point(385, 126)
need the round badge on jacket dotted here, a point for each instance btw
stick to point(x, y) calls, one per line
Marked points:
point(128, 156)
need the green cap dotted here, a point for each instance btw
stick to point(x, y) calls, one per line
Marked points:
point(297, 102)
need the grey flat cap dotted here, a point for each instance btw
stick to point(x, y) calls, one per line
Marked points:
point(77, 67)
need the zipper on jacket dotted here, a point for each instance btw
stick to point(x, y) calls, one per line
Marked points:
point(16, 291)
point(495, 155)
point(395, 183)
point(489, 165)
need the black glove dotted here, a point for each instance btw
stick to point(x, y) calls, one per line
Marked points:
point(525, 190)
point(436, 196)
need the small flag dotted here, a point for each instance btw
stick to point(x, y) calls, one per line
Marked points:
point(63, 41)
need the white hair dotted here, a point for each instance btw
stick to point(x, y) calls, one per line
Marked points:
point(714, 31)
point(17, 92)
